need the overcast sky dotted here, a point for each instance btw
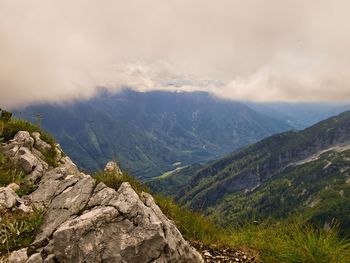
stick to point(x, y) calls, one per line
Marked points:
point(260, 50)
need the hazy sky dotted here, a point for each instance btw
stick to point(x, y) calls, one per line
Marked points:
point(261, 50)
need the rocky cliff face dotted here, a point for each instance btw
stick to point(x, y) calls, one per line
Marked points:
point(86, 221)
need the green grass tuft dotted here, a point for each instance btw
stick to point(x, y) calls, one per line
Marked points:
point(293, 242)
point(10, 127)
point(193, 226)
point(8, 174)
point(18, 229)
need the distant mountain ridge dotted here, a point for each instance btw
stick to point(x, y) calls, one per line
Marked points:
point(249, 167)
point(149, 132)
point(305, 172)
point(318, 190)
point(299, 115)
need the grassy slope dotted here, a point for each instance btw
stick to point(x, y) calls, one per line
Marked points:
point(283, 242)
point(319, 190)
point(247, 168)
point(261, 163)
point(18, 229)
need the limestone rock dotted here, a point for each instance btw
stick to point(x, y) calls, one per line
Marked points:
point(8, 198)
point(89, 222)
point(50, 259)
point(18, 256)
point(39, 144)
point(68, 164)
point(25, 209)
point(38, 171)
point(35, 258)
point(102, 195)
point(86, 222)
point(122, 230)
point(23, 156)
point(26, 160)
point(24, 138)
point(13, 186)
point(113, 167)
point(176, 245)
point(66, 199)
point(59, 152)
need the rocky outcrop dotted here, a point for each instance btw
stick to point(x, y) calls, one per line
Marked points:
point(39, 143)
point(9, 200)
point(18, 256)
point(86, 221)
point(24, 156)
point(113, 167)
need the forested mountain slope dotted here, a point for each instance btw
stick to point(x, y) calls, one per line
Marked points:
point(294, 172)
point(149, 132)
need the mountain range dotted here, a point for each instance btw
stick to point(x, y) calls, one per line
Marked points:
point(34, 172)
point(297, 172)
point(151, 133)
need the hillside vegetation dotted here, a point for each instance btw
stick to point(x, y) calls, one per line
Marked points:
point(304, 173)
point(17, 228)
point(319, 190)
point(9, 126)
point(274, 241)
point(291, 240)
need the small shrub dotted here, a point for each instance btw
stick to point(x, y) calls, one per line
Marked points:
point(11, 176)
point(50, 157)
point(8, 174)
point(2, 126)
point(5, 115)
point(2, 159)
point(18, 229)
point(15, 125)
point(26, 188)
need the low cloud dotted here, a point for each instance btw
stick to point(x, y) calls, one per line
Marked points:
point(57, 51)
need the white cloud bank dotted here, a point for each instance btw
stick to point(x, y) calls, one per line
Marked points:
point(271, 50)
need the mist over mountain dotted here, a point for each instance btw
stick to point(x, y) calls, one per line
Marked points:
point(234, 115)
point(153, 132)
